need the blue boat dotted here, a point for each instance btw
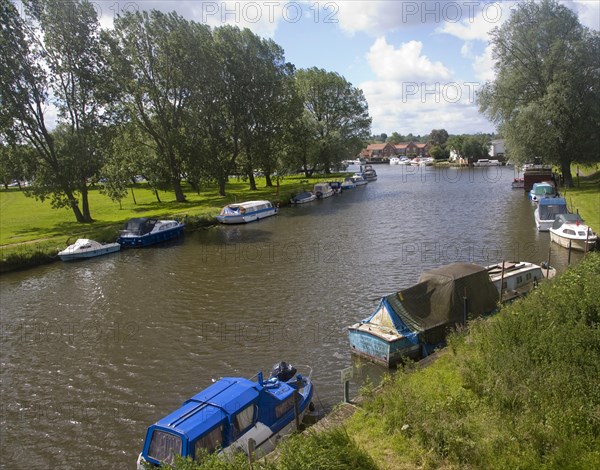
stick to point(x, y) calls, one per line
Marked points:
point(233, 414)
point(414, 321)
point(141, 232)
point(542, 190)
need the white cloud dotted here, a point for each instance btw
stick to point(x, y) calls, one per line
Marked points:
point(483, 65)
point(403, 63)
point(588, 12)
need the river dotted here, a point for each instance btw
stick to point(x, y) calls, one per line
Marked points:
point(93, 352)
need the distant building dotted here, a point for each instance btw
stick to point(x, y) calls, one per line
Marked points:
point(412, 149)
point(497, 150)
point(379, 152)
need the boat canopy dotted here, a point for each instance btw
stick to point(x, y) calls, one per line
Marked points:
point(549, 208)
point(566, 219)
point(140, 226)
point(436, 301)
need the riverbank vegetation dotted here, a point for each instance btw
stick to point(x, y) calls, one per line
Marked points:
point(32, 233)
point(518, 390)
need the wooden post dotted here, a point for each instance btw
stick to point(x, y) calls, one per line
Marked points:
point(587, 237)
point(569, 258)
point(548, 265)
point(502, 282)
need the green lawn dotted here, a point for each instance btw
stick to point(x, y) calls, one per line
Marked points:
point(31, 226)
point(585, 199)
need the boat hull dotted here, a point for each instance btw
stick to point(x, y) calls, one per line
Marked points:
point(573, 243)
point(105, 250)
point(247, 217)
point(377, 349)
point(150, 238)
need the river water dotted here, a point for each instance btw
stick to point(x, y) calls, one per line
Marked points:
point(93, 352)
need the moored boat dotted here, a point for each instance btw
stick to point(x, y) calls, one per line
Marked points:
point(348, 183)
point(518, 183)
point(515, 279)
point(569, 231)
point(547, 210)
point(323, 190)
point(370, 173)
point(413, 321)
point(359, 179)
point(394, 161)
point(245, 212)
point(233, 414)
point(542, 190)
point(304, 197)
point(84, 248)
point(140, 232)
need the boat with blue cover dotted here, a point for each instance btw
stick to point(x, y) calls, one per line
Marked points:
point(547, 210)
point(140, 232)
point(233, 414)
point(414, 321)
point(542, 190)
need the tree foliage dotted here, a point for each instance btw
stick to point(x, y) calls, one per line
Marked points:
point(546, 95)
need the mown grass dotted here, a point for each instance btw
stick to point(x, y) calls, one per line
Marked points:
point(32, 231)
point(585, 198)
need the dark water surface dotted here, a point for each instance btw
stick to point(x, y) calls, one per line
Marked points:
point(93, 352)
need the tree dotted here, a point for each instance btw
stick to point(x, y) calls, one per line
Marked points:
point(437, 152)
point(455, 144)
point(157, 59)
point(336, 113)
point(438, 137)
point(473, 148)
point(55, 59)
point(395, 138)
point(546, 95)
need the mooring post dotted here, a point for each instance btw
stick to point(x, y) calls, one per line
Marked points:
point(569, 258)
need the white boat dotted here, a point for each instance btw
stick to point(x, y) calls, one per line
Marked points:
point(404, 161)
point(486, 162)
point(348, 183)
point(515, 279)
point(569, 231)
point(303, 198)
point(547, 210)
point(394, 161)
point(359, 179)
point(370, 173)
point(542, 190)
point(85, 248)
point(323, 190)
point(245, 212)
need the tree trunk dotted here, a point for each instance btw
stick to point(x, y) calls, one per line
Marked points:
point(179, 196)
point(158, 197)
point(85, 204)
point(133, 196)
point(269, 183)
point(565, 168)
point(251, 179)
point(222, 181)
point(75, 207)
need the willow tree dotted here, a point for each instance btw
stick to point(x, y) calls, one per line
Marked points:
point(54, 61)
point(545, 98)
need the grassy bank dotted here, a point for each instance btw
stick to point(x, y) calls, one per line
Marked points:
point(31, 232)
point(585, 198)
point(518, 390)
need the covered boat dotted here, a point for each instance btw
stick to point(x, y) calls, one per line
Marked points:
point(547, 210)
point(302, 198)
point(413, 321)
point(84, 248)
point(233, 414)
point(140, 232)
point(323, 190)
point(542, 190)
point(245, 212)
point(370, 173)
point(359, 179)
point(569, 231)
point(348, 183)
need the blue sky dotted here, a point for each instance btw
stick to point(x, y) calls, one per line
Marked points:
point(419, 63)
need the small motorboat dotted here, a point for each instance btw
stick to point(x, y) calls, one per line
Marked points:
point(245, 212)
point(348, 183)
point(140, 232)
point(518, 183)
point(569, 231)
point(394, 161)
point(84, 248)
point(542, 190)
point(370, 173)
point(303, 197)
point(515, 279)
point(547, 210)
point(359, 179)
point(233, 414)
point(323, 190)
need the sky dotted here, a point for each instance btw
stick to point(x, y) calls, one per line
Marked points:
point(418, 63)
